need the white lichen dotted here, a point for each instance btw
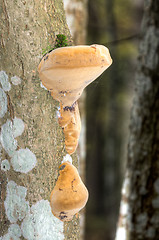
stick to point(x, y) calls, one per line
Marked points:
point(23, 160)
point(16, 206)
point(11, 130)
point(14, 232)
point(16, 80)
point(67, 158)
point(3, 103)
point(7, 138)
point(18, 127)
point(5, 166)
point(4, 81)
point(41, 224)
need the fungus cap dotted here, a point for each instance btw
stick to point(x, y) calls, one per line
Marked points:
point(69, 195)
point(67, 71)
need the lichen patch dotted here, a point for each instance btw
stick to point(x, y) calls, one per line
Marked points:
point(3, 103)
point(4, 81)
point(18, 127)
point(7, 138)
point(41, 224)
point(16, 206)
point(14, 232)
point(16, 80)
point(23, 160)
point(5, 166)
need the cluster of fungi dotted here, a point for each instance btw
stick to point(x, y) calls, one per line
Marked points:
point(65, 72)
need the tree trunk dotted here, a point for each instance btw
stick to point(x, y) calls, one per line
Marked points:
point(31, 142)
point(76, 16)
point(139, 217)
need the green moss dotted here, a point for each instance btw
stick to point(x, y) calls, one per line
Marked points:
point(61, 41)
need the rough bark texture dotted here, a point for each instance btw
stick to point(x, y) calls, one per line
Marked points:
point(142, 207)
point(27, 27)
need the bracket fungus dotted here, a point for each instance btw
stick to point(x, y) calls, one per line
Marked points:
point(71, 124)
point(69, 195)
point(65, 72)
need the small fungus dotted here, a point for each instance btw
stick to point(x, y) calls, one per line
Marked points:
point(71, 124)
point(65, 72)
point(69, 195)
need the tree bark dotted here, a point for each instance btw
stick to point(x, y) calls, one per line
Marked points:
point(139, 218)
point(31, 142)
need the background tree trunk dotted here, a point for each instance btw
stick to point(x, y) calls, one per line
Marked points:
point(108, 103)
point(31, 142)
point(139, 217)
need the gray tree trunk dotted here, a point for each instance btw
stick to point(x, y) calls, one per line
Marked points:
point(31, 142)
point(139, 217)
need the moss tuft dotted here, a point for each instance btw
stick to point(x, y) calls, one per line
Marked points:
point(61, 41)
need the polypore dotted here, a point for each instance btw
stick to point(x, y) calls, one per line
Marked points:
point(69, 195)
point(66, 71)
point(71, 125)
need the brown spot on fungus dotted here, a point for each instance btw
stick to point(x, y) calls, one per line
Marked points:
point(62, 167)
point(46, 57)
point(65, 204)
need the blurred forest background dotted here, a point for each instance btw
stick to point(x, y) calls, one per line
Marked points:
point(115, 24)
